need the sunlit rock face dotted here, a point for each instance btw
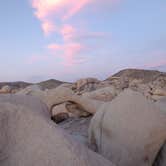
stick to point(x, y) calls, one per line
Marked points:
point(129, 131)
point(29, 137)
point(5, 89)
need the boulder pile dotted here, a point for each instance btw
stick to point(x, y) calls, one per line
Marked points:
point(120, 121)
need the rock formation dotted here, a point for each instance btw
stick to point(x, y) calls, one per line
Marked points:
point(129, 131)
point(86, 85)
point(28, 137)
point(162, 104)
point(5, 89)
point(104, 94)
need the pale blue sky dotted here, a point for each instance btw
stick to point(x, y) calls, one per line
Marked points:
point(98, 39)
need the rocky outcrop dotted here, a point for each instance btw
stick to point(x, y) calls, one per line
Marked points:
point(129, 131)
point(126, 128)
point(152, 84)
point(145, 76)
point(67, 110)
point(104, 94)
point(28, 137)
point(62, 102)
point(5, 89)
point(85, 85)
point(30, 90)
point(62, 94)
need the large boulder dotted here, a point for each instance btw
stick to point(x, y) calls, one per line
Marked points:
point(162, 104)
point(129, 131)
point(60, 95)
point(159, 92)
point(65, 110)
point(5, 89)
point(104, 94)
point(57, 99)
point(57, 96)
point(32, 102)
point(50, 97)
point(86, 85)
point(29, 139)
point(30, 90)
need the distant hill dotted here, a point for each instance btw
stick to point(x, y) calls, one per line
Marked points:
point(145, 75)
point(15, 85)
point(50, 84)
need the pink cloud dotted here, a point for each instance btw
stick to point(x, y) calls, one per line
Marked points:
point(68, 32)
point(76, 6)
point(47, 11)
point(64, 8)
point(48, 27)
point(54, 47)
point(69, 52)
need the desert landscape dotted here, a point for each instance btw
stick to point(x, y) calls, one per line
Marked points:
point(83, 83)
point(120, 121)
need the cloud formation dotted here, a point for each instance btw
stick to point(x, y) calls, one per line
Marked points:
point(48, 27)
point(54, 16)
point(47, 10)
point(65, 8)
point(69, 52)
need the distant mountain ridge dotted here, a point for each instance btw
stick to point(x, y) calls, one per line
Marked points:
point(48, 84)
point(15, 85)
point(145, 75)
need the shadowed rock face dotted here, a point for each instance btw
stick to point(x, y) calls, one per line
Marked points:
point(29, 138)
point(59, 117)
point(161, 157)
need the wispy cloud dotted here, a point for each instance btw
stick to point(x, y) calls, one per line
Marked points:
point(47, 10)
point(69, 52)
point(48, 27)
point(64, 8)
point(54, 16)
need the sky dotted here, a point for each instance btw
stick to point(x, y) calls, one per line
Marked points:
point(72, 39)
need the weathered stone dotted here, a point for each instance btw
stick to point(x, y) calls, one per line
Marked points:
point(29, 138)
point(130, 130)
